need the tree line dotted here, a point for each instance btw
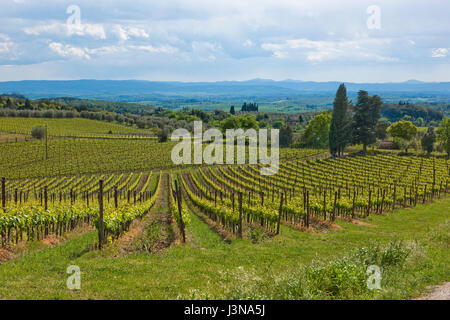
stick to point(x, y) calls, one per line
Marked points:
point(361, 123)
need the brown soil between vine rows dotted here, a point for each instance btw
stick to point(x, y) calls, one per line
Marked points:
point(154, 232)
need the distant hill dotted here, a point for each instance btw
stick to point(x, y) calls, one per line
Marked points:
point(273, 96)
point(134, 90)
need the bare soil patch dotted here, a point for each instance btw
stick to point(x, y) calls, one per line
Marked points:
point(441, 292)
point(153, 233)
point(15, 250)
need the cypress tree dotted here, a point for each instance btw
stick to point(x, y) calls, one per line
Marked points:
point(365, 119)
point(340, 129)
point(286, 136)
point(9, 104)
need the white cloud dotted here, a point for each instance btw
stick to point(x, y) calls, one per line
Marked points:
point(4, 47)
point(5, 43)
point(68, 51)
point(162, 49)
point(120, 32)
point(439, 53)
point(105, 50)
point(58, 28)
point(124, 33)
point(263, 38)
point(317, 51)
point(248, 43)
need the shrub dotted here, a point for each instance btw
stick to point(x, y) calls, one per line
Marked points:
point(38, 133)
point(163, 135)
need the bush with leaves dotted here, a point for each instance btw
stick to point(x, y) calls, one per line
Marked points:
point(38, 133)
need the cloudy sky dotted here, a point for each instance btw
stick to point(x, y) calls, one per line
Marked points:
point(212, 40)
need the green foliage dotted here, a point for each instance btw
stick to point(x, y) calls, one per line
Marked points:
point(381, 129)
point(444, 134)
point(317, 133)
point(249, 107)
point(404, 131)
point(163, 135)
point(278, 124)
point(240, 122)
point(340, 128)
point(340, 278)
point(419, 122)
point(286, 136)
point(428, 140)
point(38, 132)
point(367, 113)
point(411, 112)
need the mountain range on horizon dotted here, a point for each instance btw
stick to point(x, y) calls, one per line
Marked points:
point(142, 90)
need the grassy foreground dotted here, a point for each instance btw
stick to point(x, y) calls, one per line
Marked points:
point(410, 245)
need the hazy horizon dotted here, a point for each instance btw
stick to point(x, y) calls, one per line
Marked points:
point(412, 81)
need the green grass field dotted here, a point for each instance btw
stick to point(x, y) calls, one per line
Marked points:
point(270, 269)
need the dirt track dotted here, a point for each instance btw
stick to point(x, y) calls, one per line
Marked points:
point(441, 292)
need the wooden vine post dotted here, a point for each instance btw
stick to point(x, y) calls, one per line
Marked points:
point(334, 206)
point(180, 210)
point(395, 196)
point(3, 193)
point(240, 215)
point(280, 212)
point(116, 202)
point(100, 219)
point(45, 198)
point(307, 209)
point(425, 194)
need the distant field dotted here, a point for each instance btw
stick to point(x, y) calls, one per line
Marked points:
point(68, 127)
point(68, 156)
point(81, 155)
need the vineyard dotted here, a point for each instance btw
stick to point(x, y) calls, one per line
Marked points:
point(109, 195)
point(35, 208)
point(71, 127)
point(68, 156)
point(307, 194)
point(303, 194)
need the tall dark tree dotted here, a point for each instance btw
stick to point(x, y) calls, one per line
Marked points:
point(381, 129)
point(367, 113)
point(428, 140)
point(28, 105)
point(340, 129)
point(286, 136)
point(9, 104)
point(249, 107)
point(232, 111)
